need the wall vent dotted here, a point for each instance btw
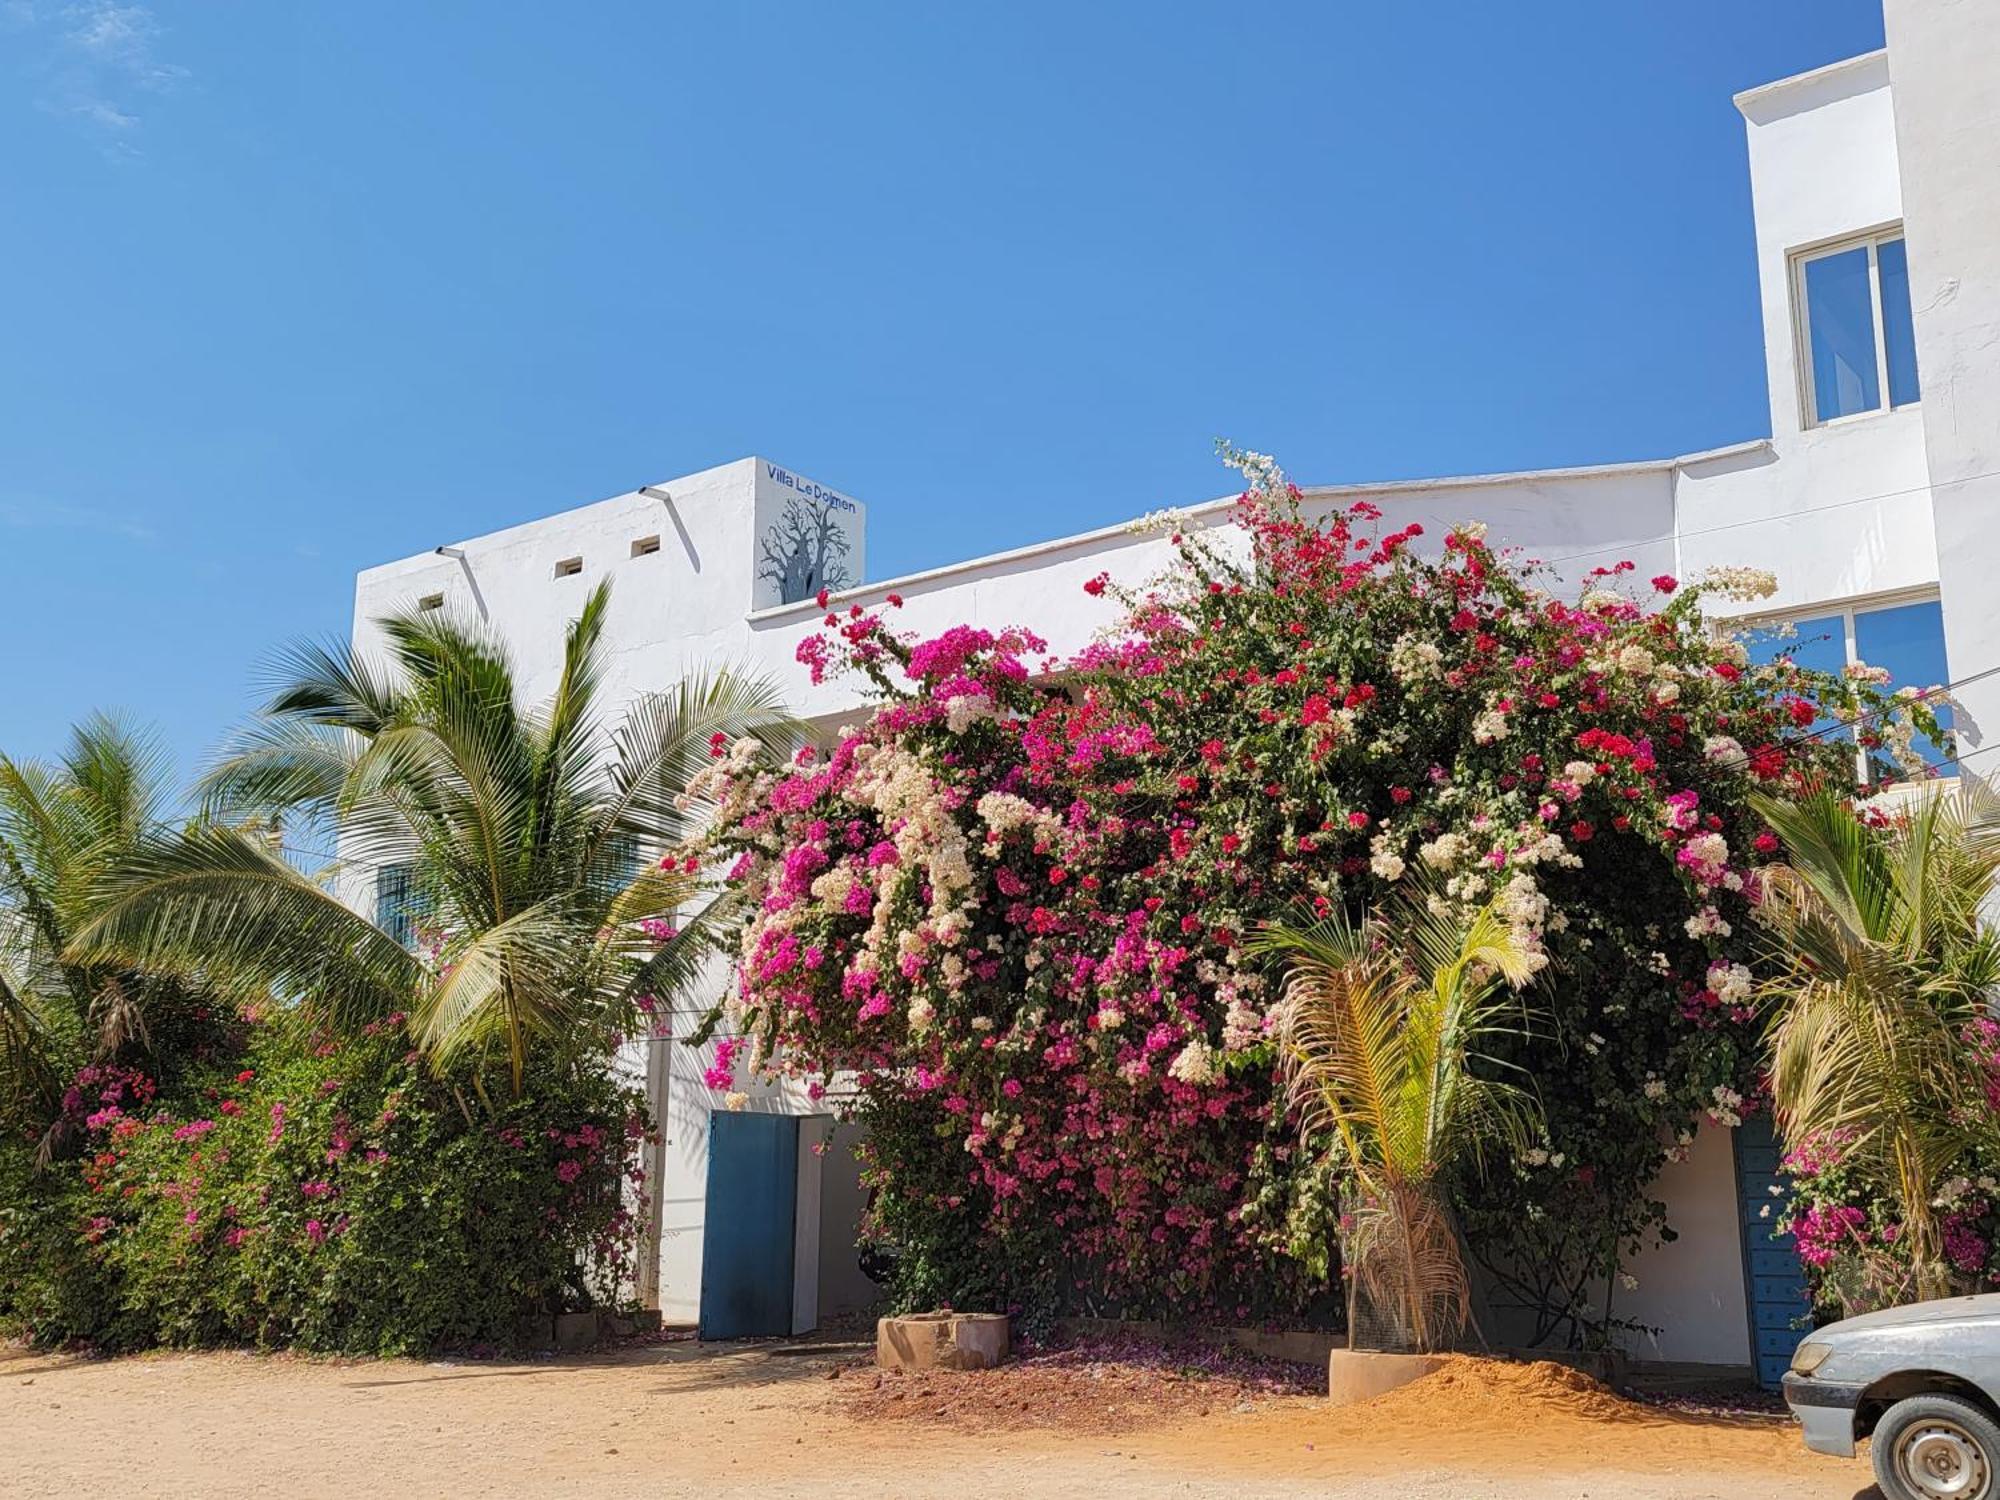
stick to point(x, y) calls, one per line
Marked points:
point(645, 546)
point(431, 601)
point(569, 567)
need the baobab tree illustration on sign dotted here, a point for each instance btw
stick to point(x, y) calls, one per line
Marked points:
point(804, 552)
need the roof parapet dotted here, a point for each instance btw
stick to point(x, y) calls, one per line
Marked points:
point(1803, 91)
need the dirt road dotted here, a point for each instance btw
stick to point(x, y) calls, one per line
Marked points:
point(722, 1423)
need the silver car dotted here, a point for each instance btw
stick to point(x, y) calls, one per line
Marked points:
point(1923, 1382)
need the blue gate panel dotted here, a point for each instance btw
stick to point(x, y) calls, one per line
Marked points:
point(1775, 1281)
point(747, 1227)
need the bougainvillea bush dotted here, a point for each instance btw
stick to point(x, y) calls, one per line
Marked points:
point(1004, 918)
point(328, 1193)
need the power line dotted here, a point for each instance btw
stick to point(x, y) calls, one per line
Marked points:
point(1925, 696)
point(1956, 760)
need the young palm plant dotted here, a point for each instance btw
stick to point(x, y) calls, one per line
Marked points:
point(1381, 1035)
point(1883, 959)
point(539, 843)
point(64, 826)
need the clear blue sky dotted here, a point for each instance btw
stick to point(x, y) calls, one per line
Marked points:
point(291, 289)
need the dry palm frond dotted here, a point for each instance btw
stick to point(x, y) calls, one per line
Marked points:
point(118, 1018)
point(1410, 1280)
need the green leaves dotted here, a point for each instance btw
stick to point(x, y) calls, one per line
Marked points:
point(536, 835)
point(64, 828)
point(1383, 1029)
point(1883, 959)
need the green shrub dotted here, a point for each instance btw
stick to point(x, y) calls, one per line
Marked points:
point(328, 1195)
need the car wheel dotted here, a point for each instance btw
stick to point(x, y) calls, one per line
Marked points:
point(1936, 1448)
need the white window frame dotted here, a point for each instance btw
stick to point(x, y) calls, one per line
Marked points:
point(1872, 241)
point(1847, 610)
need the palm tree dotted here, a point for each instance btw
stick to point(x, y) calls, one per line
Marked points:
point(1380, 1028)
point(1884, 960)
point(64, 826)
point(534, 839)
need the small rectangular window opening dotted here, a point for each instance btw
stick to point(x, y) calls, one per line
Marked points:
point(569, 567)
point(431, 601)
point(645, 546)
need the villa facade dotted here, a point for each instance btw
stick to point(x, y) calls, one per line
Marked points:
point(1874, 501)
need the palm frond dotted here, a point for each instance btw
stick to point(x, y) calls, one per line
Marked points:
point(279, 765)
point(665, 740)
point(30, 1084)
point(118, 773)
point(681, 963)
point(328, 683)
point(566, 748)
point(1881, 959)
point(1380, 1034)
point(217, 907)
point(507, 988)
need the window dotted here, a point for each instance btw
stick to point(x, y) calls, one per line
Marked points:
point(399, 903)
point(646, 546)
point(1856, 336)
point(1905, 639)
point(616, 866)
point(569, 567)
point(431, 601)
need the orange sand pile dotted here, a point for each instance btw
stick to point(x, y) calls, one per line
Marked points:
point(1470, 1393)
point(1467, 1396)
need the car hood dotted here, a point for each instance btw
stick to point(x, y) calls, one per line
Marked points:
point(1984, 1308)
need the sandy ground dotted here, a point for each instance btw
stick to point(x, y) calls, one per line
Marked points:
point(773, 1422)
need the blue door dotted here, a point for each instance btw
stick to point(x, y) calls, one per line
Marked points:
point(746, 1234)
point(1773, 1277)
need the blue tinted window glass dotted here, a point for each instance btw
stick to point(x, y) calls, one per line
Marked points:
point(1820, 645)
point(399, 903)
point(1899, 335)
point(1908, 640)
point(617, 866)
point(1840, 319)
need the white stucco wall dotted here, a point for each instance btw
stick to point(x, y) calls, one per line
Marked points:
point(672, 611)
point(1692, 1289)
point(1839, 510)
point(1944, 56)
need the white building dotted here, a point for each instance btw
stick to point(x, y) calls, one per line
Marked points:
point(1878, 247)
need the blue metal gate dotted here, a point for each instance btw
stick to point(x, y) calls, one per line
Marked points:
point(747, 1226)
point(1773, 1278)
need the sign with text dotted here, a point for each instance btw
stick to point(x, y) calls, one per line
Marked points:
point(808, 537)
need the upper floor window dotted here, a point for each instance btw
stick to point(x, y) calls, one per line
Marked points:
point(1854, 315)
point(1906, 640)
point(400, 902)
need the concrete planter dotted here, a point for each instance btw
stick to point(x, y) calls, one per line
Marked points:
point(941, 1341)
point(1362, 1374)
point(623, 1325)
point(574, 1331)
